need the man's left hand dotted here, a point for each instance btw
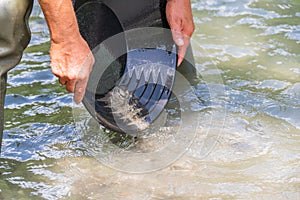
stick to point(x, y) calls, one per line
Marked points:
point(180, 18)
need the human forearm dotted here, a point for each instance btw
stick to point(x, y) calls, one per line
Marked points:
point(61, 20)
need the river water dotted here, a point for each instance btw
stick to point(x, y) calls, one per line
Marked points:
point(248, 49)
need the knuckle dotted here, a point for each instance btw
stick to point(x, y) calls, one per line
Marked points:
point(55, 70)
point(69, 88)
point(72, 76)
point(82, 77)
point(57, 73)
point(190, 29)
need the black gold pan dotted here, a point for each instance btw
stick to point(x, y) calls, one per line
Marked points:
point(135, 66)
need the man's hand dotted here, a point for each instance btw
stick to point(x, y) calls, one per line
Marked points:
point(180, 18)
point(71, 58)
point(71, 62)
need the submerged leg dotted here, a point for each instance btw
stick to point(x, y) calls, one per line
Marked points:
point(14, 37)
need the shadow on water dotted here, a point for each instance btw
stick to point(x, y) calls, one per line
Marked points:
point(254, 47)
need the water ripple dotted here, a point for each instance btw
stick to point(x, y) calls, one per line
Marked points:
point(253, 45)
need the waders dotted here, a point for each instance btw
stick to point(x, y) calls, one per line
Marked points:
point(14, 37)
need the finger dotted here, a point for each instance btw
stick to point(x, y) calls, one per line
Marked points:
point(82, 80)
point(177, 35)
point(70, 85)
point(56, 70)
point(62, 80)
point(79, 91)
point(178, 38)
point(182, 50)
point(181, 40)
point(176, 28)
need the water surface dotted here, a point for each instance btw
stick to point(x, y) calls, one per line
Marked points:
point(255, 48)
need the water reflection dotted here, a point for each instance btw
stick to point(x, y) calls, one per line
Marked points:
point(254, 45)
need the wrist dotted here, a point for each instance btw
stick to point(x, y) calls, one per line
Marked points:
point(65, 35)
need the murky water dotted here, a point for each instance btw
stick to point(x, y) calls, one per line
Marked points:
point(254, 45)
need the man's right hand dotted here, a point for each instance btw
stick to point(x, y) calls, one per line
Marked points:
point(71, 62)
point(71, 58)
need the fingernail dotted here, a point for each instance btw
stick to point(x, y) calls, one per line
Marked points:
point(179, 61)
point(180, 42)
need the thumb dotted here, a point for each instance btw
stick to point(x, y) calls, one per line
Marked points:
point(178, 38)
point(176, 34)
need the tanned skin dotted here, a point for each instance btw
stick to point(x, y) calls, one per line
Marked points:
point(71, 58)
point(180, 18)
